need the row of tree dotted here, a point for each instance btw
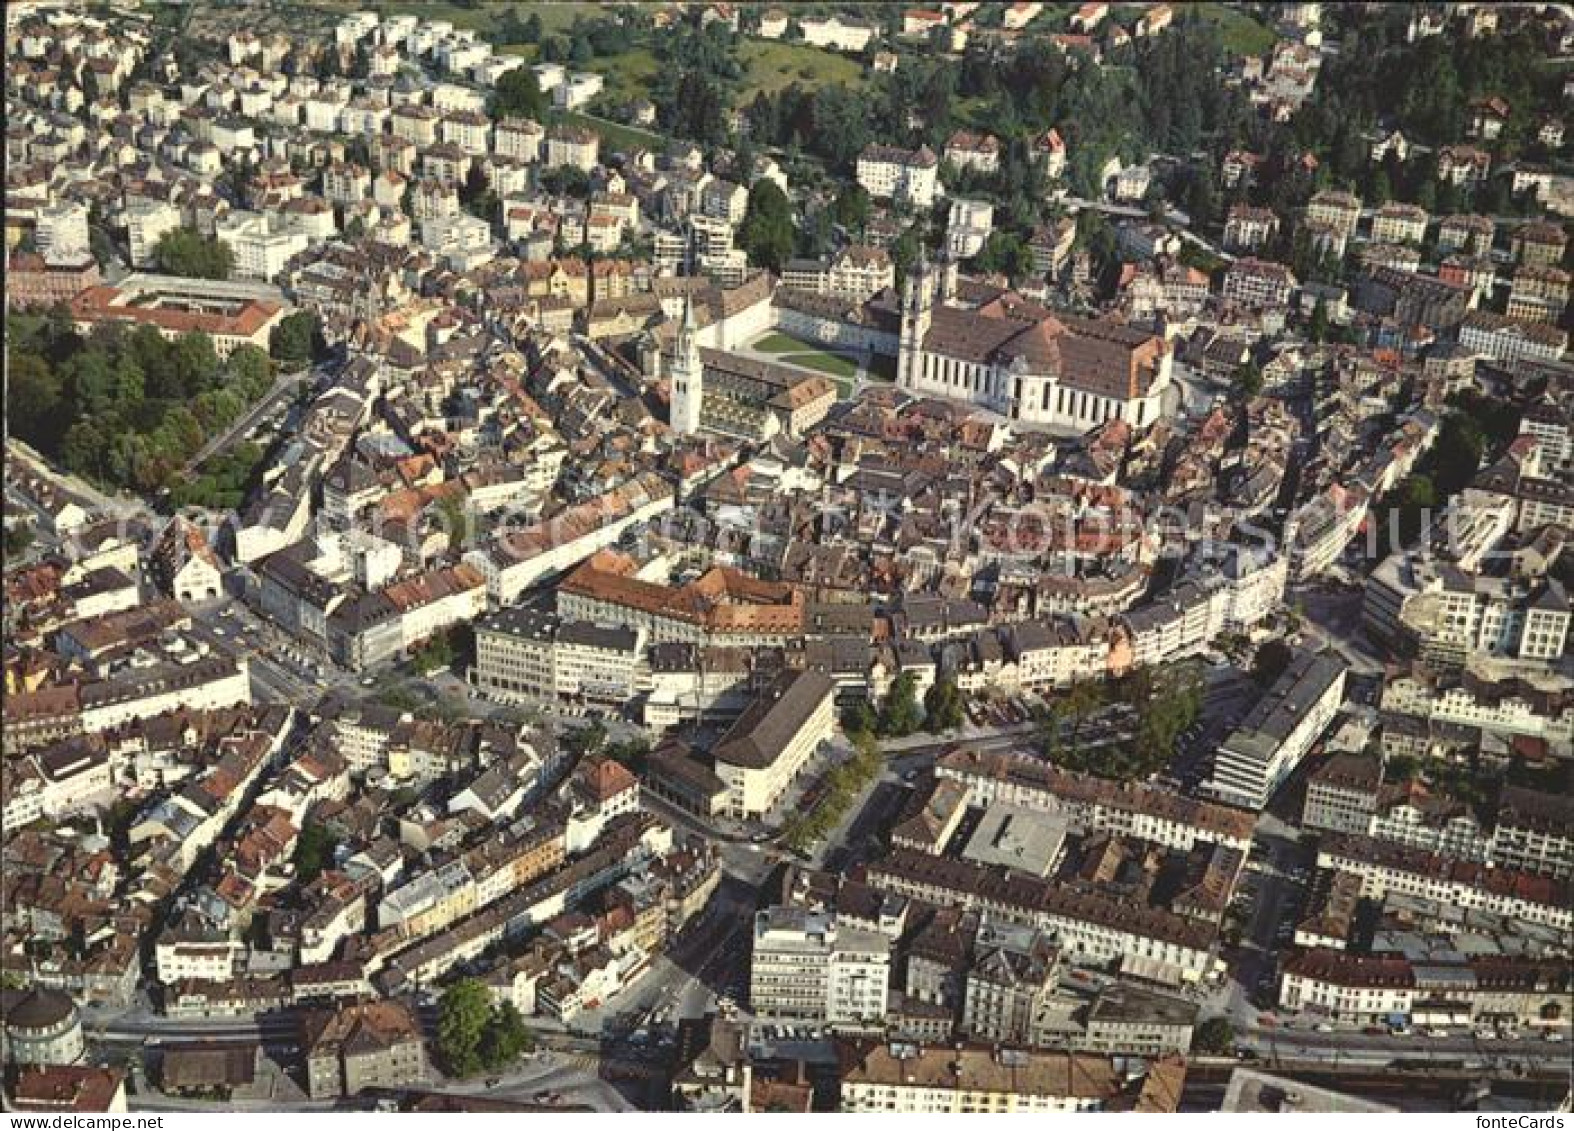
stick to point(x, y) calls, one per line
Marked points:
point(802, 831)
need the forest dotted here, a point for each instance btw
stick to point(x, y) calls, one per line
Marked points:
point(129, 409)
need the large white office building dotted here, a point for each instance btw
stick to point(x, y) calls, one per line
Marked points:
point(1264, 750)
point(807, 966)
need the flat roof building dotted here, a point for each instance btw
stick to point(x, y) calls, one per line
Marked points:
point(1264, 750)
point(1028, 840)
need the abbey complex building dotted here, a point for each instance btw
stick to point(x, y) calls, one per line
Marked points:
point(1018, 358)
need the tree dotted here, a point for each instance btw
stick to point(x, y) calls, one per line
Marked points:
point(313, 851)
point(1401, 767)
point(1214, 1037)
point(195, 363)
point(904, 254)
point(505, 1037)
point(518, 95)
point(1082, 698)
point(82, 449)
point(840, 128)
point(436, 653)
point(1418, 495)
point(455, 515)
point(695, 108)
point(1202, 199)
point(766, 233)
point(188, 253)
point(1171, 699)
point(1006, 254)
point(462, 1017)
point(476, 195)
point(1382, 190)
point(33, 404)
point(129, 383)
point(851, 209)
point(943, 706)
point(632, 754)
point(588, 739)
point(249, 368)
point(1317, 329)
point(1269, 663)
point(860, 718)
point(17, 539)
point(295, 340)
point(90, 377)
point(566, 180)
point(901, 714)
point(1248, 379)
point(1426, 195)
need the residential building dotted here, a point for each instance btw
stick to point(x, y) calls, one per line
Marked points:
point(1507, 340)
point(906, 176)
point(147, 221)
point(904, 1078)
point(262, 248)
point(1248, 229)
point(376, 1044)
point(1338, 211)
point(1259, 283)
point(1398, 223)
point(1013, 977)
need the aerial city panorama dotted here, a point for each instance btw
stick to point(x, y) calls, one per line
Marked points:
point(787, 557)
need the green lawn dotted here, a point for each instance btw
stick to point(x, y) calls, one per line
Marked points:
point(807, 355)
point(629, 74)
point(613, 134)
point(555, 16)
point(768, 67)
point(771, 66)
point(828, 363)
point(779, 343)
point(975, 112)
point(528, 50)
point(1239, 30)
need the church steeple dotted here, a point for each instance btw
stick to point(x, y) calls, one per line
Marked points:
point(918, 296)
point(688, 377)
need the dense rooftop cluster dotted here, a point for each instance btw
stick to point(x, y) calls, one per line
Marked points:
point(951, 559)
